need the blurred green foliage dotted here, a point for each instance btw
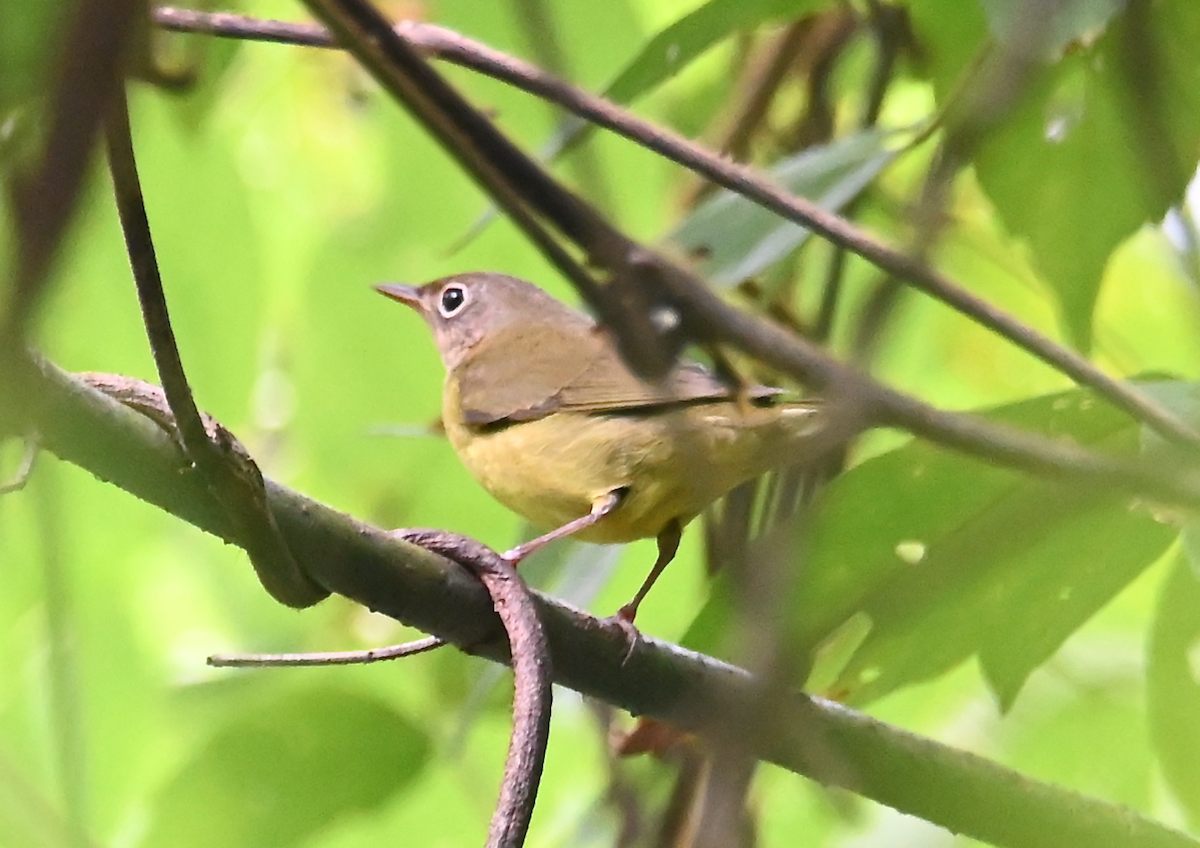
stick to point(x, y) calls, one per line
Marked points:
point(1050, 629)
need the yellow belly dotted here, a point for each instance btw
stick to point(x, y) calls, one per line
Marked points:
point(671, 464)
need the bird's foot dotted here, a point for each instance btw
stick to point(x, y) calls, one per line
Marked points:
point(600, 508)
point(515, 555)
point(623, 621)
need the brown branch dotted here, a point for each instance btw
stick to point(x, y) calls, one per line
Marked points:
point(447, 45)
point(234, 480)
point(529, 654)
point(531, 665)
point(144, 264)
point(755, 93)
point(825, 741)
point(230, 25)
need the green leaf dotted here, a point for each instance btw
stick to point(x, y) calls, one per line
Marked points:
point(1101, 143)
point(1173, 686)
point(28, 33)
point(1182, 399)
point(739, 238)
point(951, 36)
point(675, 47)
point(1058, 24)
point(929, 558)
point(1062, 739)
point(281, 771)
point(948, 557)
point(1071, 564)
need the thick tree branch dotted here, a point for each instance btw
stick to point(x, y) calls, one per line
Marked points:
point(444, 44)
point(829, 743)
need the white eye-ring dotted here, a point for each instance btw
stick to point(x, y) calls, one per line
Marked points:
point(452, 300)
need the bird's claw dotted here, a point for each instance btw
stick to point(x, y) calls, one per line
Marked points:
point(623, 621)
point(515, 555)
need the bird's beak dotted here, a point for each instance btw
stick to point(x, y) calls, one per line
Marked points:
point(408, 295)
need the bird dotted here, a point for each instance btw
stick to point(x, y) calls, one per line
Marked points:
point(544, 413)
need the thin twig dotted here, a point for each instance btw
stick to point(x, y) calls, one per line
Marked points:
point(229, 25)
point(321, 658)
point(757, 93)
point(144, 263)
point(745, 181)
point(889, 26)
point(238, 488)
point(883, 23)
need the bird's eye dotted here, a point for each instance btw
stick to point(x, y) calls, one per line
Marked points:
point(453, 299)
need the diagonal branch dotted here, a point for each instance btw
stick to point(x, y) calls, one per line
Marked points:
point(641, 277)
point(823, 740)
point(445, 44)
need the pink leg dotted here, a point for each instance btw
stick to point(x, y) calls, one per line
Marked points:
point(601, 508)
point(668, 544)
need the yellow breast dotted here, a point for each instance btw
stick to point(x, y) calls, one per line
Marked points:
point(670, 464)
